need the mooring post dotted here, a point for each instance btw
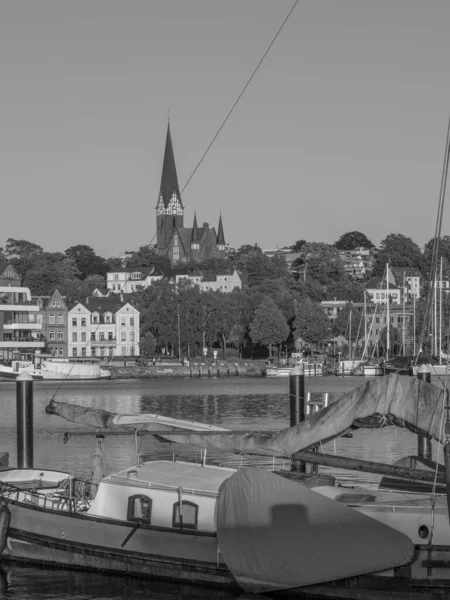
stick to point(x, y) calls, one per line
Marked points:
point(297, 406)
point(24, 417)
point(423, 441)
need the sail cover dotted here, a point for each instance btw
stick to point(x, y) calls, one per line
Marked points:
point(275, 534)
point(403, 401)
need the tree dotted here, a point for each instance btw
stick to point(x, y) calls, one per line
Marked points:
point(146, 256)
point(268, 326)
point(297, 247)
point(397, 250)
point(22, 253)
point(311, 323)
point(352, 240)
point(87, 261)
point(444, 253)
point(95, 282)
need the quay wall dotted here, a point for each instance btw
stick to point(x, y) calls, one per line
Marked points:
point(195, 370)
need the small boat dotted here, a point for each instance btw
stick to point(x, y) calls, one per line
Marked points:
point(41, 366)
point(311, 369)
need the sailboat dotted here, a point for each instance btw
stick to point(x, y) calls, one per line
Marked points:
point(243, 528)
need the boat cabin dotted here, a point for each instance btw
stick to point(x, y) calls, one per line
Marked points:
point(161, 493)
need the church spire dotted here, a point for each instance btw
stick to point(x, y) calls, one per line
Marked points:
point(194, 235)
point(220, 236)
point(169, 180)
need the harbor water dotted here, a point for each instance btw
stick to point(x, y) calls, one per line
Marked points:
point(237, 403)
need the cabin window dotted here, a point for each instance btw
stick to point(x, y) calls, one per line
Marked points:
point(189, 514)
point(139, 509)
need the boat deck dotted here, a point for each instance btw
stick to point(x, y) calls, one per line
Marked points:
point(186, 475)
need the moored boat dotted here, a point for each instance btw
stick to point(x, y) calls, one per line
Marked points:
point(41, 366)
point(245, 528)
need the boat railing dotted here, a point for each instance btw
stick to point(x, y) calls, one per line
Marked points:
point(71, 495)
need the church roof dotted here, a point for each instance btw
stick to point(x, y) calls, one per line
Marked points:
point(169, 178)
point(195, 237)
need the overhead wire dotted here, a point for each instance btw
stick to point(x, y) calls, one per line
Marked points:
point(255, 70)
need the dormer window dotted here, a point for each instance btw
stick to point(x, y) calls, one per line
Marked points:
point(139, 509)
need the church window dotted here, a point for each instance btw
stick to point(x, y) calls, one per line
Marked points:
point(176, 250)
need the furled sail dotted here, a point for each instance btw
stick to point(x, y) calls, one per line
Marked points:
point(403, 401)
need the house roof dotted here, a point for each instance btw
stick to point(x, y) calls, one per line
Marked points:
point(377, 283)
point(408, 271)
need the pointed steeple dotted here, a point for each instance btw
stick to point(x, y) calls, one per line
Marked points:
point(194, 235)
point(169, 179)
point(220, 236)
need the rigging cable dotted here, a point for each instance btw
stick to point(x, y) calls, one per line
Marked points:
point(435, 254)
point(233, 107)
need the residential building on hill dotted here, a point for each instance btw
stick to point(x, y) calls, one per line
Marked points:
point(225, 282)
point(127, 281)
point(379, 290)
point(103, 326)
point(407, 278)
point(358, 262)
point(53, 317)
point(179, 243)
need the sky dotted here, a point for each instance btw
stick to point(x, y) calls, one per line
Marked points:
point(342, 128)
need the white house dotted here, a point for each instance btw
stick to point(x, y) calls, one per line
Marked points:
point(103, 326)
point(127, 281)
point(225, 282)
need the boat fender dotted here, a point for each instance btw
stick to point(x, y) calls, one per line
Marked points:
point(5, 520)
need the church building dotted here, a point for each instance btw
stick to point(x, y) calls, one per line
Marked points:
point(179, 243)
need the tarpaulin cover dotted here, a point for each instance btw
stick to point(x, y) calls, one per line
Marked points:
point(403, 401)
point(275, 534)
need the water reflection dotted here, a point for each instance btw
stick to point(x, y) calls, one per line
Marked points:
point(26, 583)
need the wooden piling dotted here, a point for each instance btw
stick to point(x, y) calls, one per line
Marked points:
point(24, 418)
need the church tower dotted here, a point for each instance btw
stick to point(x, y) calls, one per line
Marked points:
point(169, 209)
point(220, 241)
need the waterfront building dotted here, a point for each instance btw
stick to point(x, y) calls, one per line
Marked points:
point(179, 243)
point(53, 317)
point(20, 329)
point(379, 291)
point(102, 327)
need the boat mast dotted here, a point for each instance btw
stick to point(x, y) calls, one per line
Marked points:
point(403, 315)
point(387, 311)
point(440, 314)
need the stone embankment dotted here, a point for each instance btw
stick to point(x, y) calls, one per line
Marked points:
point(194, 370)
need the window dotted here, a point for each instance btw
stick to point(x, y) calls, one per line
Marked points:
point(83, 352)
point(93, 336)
point(51, 319)
point(110, 336)
point(131, 336)
point(60, 351)
point(131, 321)
point(131, 350)
point(139, 509)
point(102, 336)
point(60, 336)
point(189, 517)
point(74, 322)
point(123, 322)
point(60, 319)
point(51, 336)
point(39, 318)
point(54, 303)
point(95, 319)
point(123, 350)
point(123, 336)
point(58, 303)
point(74, 336)
point(83, 322)
point(116, 277)
point(74, 351)
point(108, 319)
point(83, 336)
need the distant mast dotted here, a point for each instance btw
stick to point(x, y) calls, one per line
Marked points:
point(387, 311)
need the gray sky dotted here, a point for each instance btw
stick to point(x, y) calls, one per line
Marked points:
point(342, 128)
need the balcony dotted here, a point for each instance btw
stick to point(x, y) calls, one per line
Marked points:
point(104, 343)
